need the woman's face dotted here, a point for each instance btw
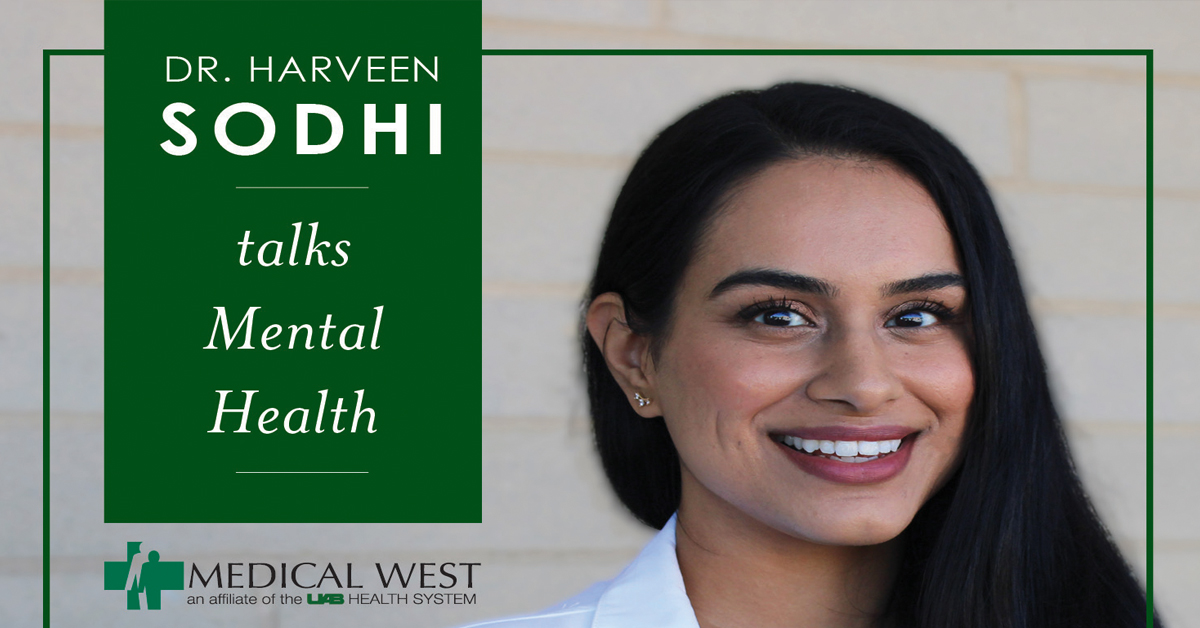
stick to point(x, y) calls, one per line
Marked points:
point(816, 376)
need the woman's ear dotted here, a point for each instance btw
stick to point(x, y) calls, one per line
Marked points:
point(626, 353)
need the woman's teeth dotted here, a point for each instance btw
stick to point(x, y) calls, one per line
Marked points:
point(844, 450)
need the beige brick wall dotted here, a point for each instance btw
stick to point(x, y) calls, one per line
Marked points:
point(1060, 140)
point(1062, 148)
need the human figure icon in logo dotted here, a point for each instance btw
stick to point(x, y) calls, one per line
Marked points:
point(152, 581)
point(133, 585)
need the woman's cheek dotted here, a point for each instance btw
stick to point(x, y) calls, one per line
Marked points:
point(939, 375)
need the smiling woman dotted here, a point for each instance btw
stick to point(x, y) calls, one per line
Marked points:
point(822, 307)
point(811, 364)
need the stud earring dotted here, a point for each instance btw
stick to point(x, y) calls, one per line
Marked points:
point(642, 401)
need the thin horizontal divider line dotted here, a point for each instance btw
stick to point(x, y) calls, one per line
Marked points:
point(73, 52)
point(301, 187)
point(489, 52)
point(301, 471)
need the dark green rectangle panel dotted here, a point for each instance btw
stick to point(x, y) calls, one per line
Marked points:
point(192, 227)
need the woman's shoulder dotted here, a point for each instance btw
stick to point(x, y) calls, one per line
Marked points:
point(576, 612)
point(649, 593)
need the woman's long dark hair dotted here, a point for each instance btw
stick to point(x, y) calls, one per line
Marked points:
point(1011, 540)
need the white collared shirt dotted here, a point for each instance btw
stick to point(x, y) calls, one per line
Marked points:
point(649, 593)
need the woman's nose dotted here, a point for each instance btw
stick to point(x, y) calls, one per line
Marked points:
point(856, 375)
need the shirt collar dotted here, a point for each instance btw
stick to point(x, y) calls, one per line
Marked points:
point(649, 593)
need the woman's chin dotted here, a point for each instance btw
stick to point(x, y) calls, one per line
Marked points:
point(861, 536)
point(852, 530)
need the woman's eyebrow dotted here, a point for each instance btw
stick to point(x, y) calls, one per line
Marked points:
point(924, 283)
point(775, 279)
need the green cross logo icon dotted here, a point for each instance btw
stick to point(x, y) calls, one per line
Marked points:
point(141, 573)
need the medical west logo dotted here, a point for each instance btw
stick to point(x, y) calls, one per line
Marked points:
point(143, 575)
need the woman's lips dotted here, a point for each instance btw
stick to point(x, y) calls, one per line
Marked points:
point(849, 455)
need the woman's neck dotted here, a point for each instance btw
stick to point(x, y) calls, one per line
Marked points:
point(740, 572)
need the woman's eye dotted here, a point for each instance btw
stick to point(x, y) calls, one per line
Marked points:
point(913, 319)
point(781, 318)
